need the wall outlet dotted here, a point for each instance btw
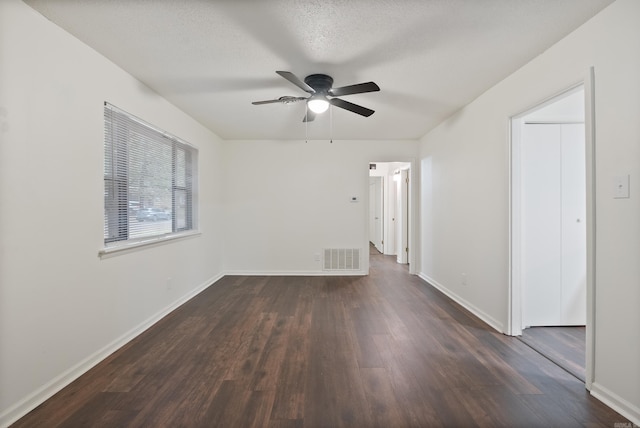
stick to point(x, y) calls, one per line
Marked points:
point(169, 283)
point(316, 257)
point(463, 278)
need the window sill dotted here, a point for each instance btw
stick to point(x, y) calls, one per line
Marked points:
point(144, 243)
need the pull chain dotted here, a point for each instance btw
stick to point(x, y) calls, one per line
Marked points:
point(330, 123)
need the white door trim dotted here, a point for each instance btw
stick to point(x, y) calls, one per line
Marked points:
point(514, 325)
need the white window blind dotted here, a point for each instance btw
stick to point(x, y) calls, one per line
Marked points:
point(148, 180)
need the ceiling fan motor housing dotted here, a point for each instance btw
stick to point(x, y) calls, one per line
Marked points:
point(321, 83)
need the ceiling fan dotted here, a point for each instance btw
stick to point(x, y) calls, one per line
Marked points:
point(320, 88)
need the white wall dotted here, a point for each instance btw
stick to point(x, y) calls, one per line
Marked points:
point(62, 308)
point(465, 179)
point(287, 200)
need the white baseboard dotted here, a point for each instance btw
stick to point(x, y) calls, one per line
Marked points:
point(617, 403)
point(494, 323)
point(33, 400)
point(298, 273)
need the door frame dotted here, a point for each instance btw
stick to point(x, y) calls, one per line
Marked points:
point(514, 325)
point(413, 207)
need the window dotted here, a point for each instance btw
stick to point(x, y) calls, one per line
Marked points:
point(148, 181)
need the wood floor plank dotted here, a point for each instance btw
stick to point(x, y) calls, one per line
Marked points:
point(564, 346)
point(252, 339)
point(269, 365)
point(227, 406)
point(415, 393)
point(256, 413)
point(334, 394)
point(496, 406)
point(384, 406)
point(382, 350)
point(289, 398)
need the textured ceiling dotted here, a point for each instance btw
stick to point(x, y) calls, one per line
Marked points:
point(213, 58)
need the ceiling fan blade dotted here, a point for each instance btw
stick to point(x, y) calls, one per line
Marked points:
point(309, 117)
point(354, 89)
point(283, 100)
point(363, 111)
point(257, 103)
point(299, 83)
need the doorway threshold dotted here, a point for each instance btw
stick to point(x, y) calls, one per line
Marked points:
point(563, 346)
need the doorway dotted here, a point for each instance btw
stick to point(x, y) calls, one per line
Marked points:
point(390, 210)
point(549, 263)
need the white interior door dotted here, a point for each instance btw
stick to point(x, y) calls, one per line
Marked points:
point(376, 212)
point(390, 229)
point(402, 217)
point(574, 231)
point(553, 228)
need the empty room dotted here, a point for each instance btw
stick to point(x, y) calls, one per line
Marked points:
point(307, 214)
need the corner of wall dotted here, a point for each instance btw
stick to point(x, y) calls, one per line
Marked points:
point(488, 319)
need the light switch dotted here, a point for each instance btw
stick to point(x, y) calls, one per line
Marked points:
point(621, 186)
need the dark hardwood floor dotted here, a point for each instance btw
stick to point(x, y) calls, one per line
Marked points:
point(565, 346)
point(386, 350)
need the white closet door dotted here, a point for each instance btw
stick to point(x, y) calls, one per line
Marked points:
point(554, 233)
point(541, 225)
point(574, 232)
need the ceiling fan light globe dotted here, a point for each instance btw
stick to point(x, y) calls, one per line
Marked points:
point(318, 105)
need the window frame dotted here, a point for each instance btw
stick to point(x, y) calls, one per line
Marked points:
point(117, 187)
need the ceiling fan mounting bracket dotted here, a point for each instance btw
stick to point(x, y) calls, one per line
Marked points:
point(321, 83)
